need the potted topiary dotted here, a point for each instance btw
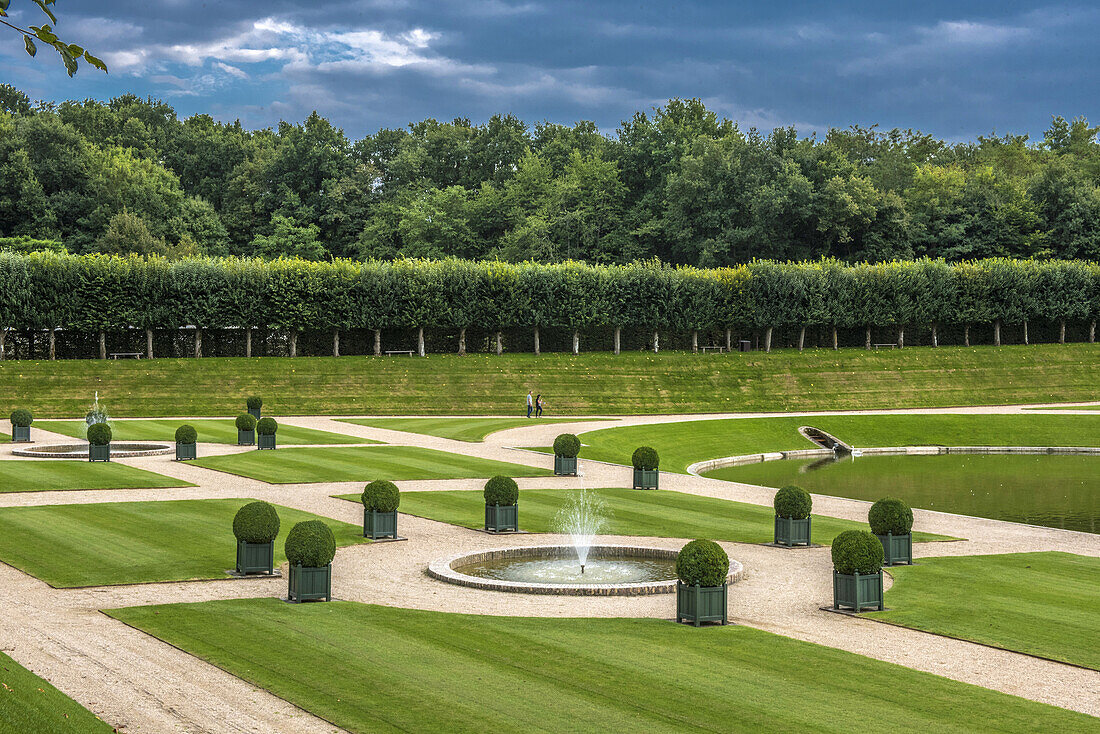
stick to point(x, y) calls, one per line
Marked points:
point(256, 525)
point(310, 548)
point(254, 404)
point(246, 430)
point(702, 570)
point(380, 501)
point(645, 461)
point(501, 505)
point(99, 442)
point(792, 516)
point(566, 448)
point(857, 570)
point(891, 521)
point(266, 428)
point(185, 442)
point(21, 425)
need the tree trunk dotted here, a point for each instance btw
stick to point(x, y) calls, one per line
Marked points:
point(335, 342)
point(996, 332)
point(198, 343)
point(1062, 331)
point(576, 343)
point(729, 341)
point(966, 335)
point(377, 342)
point(53, 342)
point(618, 333)
point(834, 338)
point(538, 347)
point(248, 341)
point(293, 342)
point(102, 345)
point(1025, 333)
point(768, 339)
point(500, 344)
point(802, 338)
point(935, 339)
point(3, 338)
point(867, 339)
point(462, 342)
point(420, 341)
point(901, 337)
point(148, 343)
point(694, 341)
point(656, 341)
point(1092, 331)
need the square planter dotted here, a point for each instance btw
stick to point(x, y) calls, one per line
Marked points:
point(897, 549)
point(185, 451)
point(379, 524)
point(255, 413)
point(501, 518)
point(697, 604)
point(310, 584)
point(99, 453)
point(20, 434)
point(792, 532)
point(266, 441)
point(255, 557)
point(246, 438)
point(565, 466)
point(646, 478)
point(857, 591)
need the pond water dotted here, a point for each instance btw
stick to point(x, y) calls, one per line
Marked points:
point(1057, 491)
point(568, 570)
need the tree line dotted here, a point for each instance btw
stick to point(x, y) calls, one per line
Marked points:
point(678, 183)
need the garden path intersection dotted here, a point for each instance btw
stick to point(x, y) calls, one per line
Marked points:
point(140, 684)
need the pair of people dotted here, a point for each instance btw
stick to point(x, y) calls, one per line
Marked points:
point(535, 404)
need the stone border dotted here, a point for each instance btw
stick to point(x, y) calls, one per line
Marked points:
point(119, 450)
point(441, 569)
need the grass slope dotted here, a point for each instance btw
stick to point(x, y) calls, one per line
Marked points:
point(360, 464)
point(378, 669)
point(210, 430)
point(135, 542)
point(471, 430)
point(1044, 604)
point(39, 475)
point(660, 513)
point(593, 383)
point(30, 704)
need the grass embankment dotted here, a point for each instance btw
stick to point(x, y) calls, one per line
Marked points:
point(210, 430)
point(470, 430)
point(360, 464)
point(40, 475)
point(136, 542)
point(1045, 604)
point(588, 384)
point(660, 514)
point(30, 704)
point(430, 671)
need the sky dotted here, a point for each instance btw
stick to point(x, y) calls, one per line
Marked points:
point(953, 69)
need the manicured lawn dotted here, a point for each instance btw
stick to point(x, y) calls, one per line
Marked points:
point(210, 430)
point(135, 542)
point(360, 464)
point(37, 475)
point(370, 669)
point(30, 704)
point(460, 429)
point(1044, 604)
point(661, 513)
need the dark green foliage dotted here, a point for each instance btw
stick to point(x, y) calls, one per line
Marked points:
point(857, 551)
point(266, 426)
point(702, 562)
point(256, 522)
point(501, 491)
point(311, 544)
point(246, 422)
point(21, 417)
point(99, 434)
point(645, 457)
point(567, 445)
point(186, 434)
point(792, 502)
point(254, 402)
point(381, 496)
point(890, 516)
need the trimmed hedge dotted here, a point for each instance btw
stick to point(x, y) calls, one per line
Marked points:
point(254, 402)
point(890, 515)
point(310, 543)
point(567, 445)
point(266, 426)
point(99, 434)
point(246, 422)
point(501, 491)
point(792, 502)
point(21, 417)
point(186, 434)
point(702, 562)
point(645, 457)
point(256, 522)
point(381, 496)
point(857, 551)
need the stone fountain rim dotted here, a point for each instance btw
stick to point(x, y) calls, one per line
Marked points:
point(119, 450)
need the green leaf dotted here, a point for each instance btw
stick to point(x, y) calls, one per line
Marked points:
point(76, 51)
point(96, 62)
point(70, 62)
point(31, 48)
point(4, 6)
point(47, 11)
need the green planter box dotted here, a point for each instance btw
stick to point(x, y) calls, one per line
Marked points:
point(20, 434)
point(99, 453)
point(255, 557)
point(379, 524)
point(646, 478)
point(246, 438)
point(185, 451)
point(565, 466)
point(792, 532)
point(501, 518)
point(310, 584)
point(697, 604)
point(897, 549)
point(266, 441)
point(857, 591)
point(255, 413)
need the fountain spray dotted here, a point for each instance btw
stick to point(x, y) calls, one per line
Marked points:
point(582, 518)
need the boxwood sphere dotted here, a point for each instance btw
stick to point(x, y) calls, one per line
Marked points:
point(645, 457)
point(21, 417)
point(381, 496)
point(256, 522)
point(857, 551)
point(310, 543)
point(890, 516)
point(266, 426)
point(99, 434)
point(501, 491)
point(254, 402)
point(246, 422)
point(186, 434)
point(702, 562)
point(792, 502)
point(567, 445)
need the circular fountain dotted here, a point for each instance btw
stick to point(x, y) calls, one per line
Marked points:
point(119, 450)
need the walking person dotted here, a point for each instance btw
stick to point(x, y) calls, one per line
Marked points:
point(538, 405)
point(530, 403)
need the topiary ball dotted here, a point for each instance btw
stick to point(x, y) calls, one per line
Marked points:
point(702, 562)
point(567, 446)
point(645, 457)
point(857, 551)
point(186, 434)
point(310, 543)
point(266, 426)
point(381, 496)
point(256, 522)
point(890, 516)
point(21, 417)
point(501, 491)
point(254, 402)
point(99, 434)
point(246, 422)
point(792, 502)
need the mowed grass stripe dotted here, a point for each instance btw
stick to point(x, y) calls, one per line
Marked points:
point(30, 704)
point(38, 475)
point(210, 430)
point(460, 429)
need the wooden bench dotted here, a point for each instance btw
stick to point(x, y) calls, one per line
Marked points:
point(706, 349)
point(392, 352)
point(135, 355)
point(891, 345)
